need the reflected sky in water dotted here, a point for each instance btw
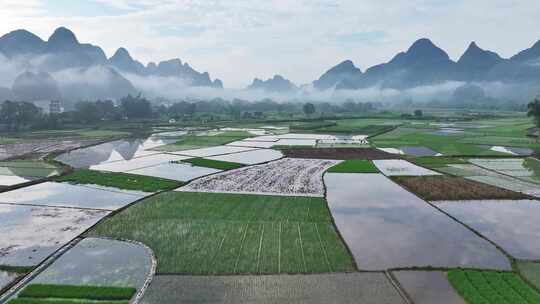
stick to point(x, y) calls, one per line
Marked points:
point(386, 227)
point(513, 225)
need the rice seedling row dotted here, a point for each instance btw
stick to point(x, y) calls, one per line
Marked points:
point(221, 233)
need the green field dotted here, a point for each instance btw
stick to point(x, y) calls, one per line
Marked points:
point(215, 164)
point(437, 161)
point(445, 144)
point(492, 287)
point(97, 293)
point(354, 166)
point(119, 180)
point(212, 233)
point(194, 142)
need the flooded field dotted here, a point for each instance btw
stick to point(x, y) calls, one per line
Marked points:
point(138, 163)
point(288, 176)
point(110, 152)
point(513, 225)
point(250, 157)
point(428, 287)
point(100, 262)
point(67, 195)
point(175, 171)
point(213, 151)
point(330, 288)
point(374, 215)
point(30, 233)
point(400, 167)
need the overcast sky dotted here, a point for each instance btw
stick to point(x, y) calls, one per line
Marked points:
point(238, 40)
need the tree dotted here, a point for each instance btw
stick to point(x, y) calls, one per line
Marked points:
point(136, 107)
point(534, 111)
point(19, 114)
point(418, 113)
point(309, 108)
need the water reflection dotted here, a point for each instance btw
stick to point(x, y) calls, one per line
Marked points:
point(118, 150)
point(64, 194)
point(30, 233)
point(100, 262)
point(428, 287)
point(387, 227)
point(513, 225)
point(175, 171)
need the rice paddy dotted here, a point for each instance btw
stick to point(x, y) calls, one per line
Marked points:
point(209, 233)
point(119, 180)
point(511, 224)
point(354, 166)
point(492, 287)
point(346, 288)
point(251, 213)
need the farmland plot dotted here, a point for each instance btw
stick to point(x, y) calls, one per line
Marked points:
point(513, 225)
point(288, 176)
point(428, 287)
point(250, 157)
point(6, 278)
point(30, 233)
point(440, 187)
point(400, 167)
point(68, 195)
point(211, 233)
point(175, 171)
point(100, 262)
point(213, 151)
point(376, 216)
point(522, 168)
point(478, 287)
point(119, 150)
point(138, 163)
point(507, 182)
point(331, 288)
point(253, 143)
point(337, 153)
point(531, 272)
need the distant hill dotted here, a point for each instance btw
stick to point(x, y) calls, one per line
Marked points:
point(62, 53)
point(424, 64)
point(277, 84)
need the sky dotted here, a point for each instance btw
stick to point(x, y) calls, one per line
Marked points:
point(239, 40)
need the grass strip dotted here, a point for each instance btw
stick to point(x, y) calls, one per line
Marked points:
point(215, 164)
point(61, 301)
point(354, 166)
point(483, 287)
point(437, 161)
point(77, 292)
point(119, 180)
point(16, 269)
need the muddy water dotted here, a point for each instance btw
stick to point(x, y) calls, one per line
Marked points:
point(387, 227)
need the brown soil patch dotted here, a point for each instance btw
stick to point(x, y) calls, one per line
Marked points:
point(439, 188)
point(338, 153)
